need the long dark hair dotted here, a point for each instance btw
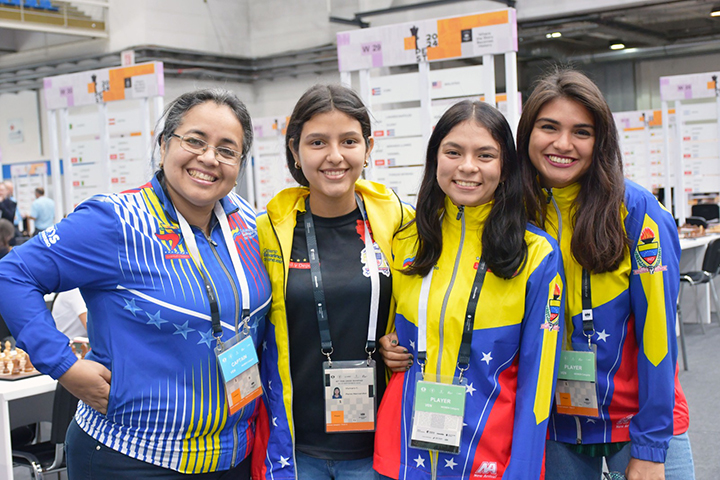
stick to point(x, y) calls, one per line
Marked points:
point(322, 99)
point(599, 241)
point(503, 238)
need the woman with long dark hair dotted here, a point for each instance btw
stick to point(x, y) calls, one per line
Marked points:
point(621, 251)
point(479, 296)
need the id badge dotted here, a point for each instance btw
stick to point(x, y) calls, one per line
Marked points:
point(350, 396)
point(438, 415)
point(239, 368)
point(576, 392)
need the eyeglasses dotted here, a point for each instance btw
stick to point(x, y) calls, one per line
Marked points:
point(198, 146)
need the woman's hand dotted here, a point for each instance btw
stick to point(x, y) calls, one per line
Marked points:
point(644, 470)
point(90, 382)
point(396, 358)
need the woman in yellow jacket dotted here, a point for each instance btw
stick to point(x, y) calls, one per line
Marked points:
point(326, 246)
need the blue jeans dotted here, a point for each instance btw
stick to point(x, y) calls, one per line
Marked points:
point(562, 463)
point(88, 459)
point(311, 468)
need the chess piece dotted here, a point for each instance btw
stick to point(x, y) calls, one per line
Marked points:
point(16, 366)
point(29, 367)
point(22, 362)
point(5, 367)
point(7, 347)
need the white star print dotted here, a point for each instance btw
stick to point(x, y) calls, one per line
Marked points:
point(603, 336)
point(450, 463)
point(412, 344)
point(275, 422)
point(419, 462)
point(470, 389)
point(264, 345)
point(284, 462)
point(486, 357)
point(590, 420)
point(269, 384)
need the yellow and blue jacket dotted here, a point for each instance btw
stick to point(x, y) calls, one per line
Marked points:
point(274, 455)
point(515, 349)
point(634, 315)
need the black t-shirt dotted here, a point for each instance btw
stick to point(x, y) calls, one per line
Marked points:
point(346, 281)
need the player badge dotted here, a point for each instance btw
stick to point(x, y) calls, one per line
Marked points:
point(648, 253)
point(552, 310)
point(170, 239)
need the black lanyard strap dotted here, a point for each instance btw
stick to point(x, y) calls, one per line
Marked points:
point(468, 327)
point(587, 312)
point(326, 345)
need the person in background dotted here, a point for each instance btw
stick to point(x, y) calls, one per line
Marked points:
point(18, 218)
point(621, 254)
point(8, 206)
point(42, 211)
point(70, 313)
point(479, 295)
point(7, 233)
point(170, 272)
point(352, 222)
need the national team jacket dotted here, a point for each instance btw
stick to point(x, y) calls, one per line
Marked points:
point(634, 314)
point(515, 348)
point(148, 322)
point(274, 454)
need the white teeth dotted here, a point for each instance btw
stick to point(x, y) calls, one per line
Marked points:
point(466, 184)
point(201, 176)
point(333, 173)
point(563, 160)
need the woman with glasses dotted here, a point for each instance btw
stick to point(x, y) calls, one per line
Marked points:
point(621, 255)
point(174, 285)
point(326, 246)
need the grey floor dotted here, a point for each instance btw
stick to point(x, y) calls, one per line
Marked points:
point(701, 384)
point(702, 389)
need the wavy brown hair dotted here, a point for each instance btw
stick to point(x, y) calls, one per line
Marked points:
point(599, 242)
point(503, 238)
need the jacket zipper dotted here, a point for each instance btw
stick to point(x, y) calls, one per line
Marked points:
point(461, 217)
point(213, 244)
point(292, 397)
point(578, 424)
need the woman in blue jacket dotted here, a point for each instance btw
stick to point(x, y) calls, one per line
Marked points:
point(170, 272)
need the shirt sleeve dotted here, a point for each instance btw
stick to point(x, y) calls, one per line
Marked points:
point(80, 251)
point(537, 365)
point(654, 284)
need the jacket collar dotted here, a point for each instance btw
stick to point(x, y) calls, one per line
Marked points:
point(565, 196)
point(475, 217)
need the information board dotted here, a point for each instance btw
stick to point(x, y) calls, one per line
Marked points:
point(463, 36)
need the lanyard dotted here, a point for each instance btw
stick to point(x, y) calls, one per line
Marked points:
point(587, 313)
point(192, 247)
point(466, 343)
point(319, 292)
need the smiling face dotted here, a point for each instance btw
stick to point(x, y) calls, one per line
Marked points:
point(331, 152)
point(195, 182)
point(561, 142)
point(469, 164)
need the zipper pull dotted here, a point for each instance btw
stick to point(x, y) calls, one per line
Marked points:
point(550, 195)
point(210, 240)
point(461, 209)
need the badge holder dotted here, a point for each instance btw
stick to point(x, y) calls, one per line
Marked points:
point(238, 363)
point(350, 396)
point(438, 413)
point(576, 391)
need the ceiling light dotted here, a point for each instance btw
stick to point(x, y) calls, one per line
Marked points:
point(553, 35)
point(715, 12)
point(616, 45)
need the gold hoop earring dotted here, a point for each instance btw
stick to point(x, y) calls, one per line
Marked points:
point(365, 165)
point(297, 165)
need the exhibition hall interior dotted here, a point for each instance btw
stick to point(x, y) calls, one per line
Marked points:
point(84, 83)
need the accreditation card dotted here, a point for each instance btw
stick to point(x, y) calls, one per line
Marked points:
point(239, 367)
point(350, 396)
point(576, 392)
point(438, 415)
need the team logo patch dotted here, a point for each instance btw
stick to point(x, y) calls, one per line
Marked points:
point(552, 311)
point(170, 239)
point(49, 236)
point(408, 261)
point(648, 253)
point(486, 470)
point(271, 256)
